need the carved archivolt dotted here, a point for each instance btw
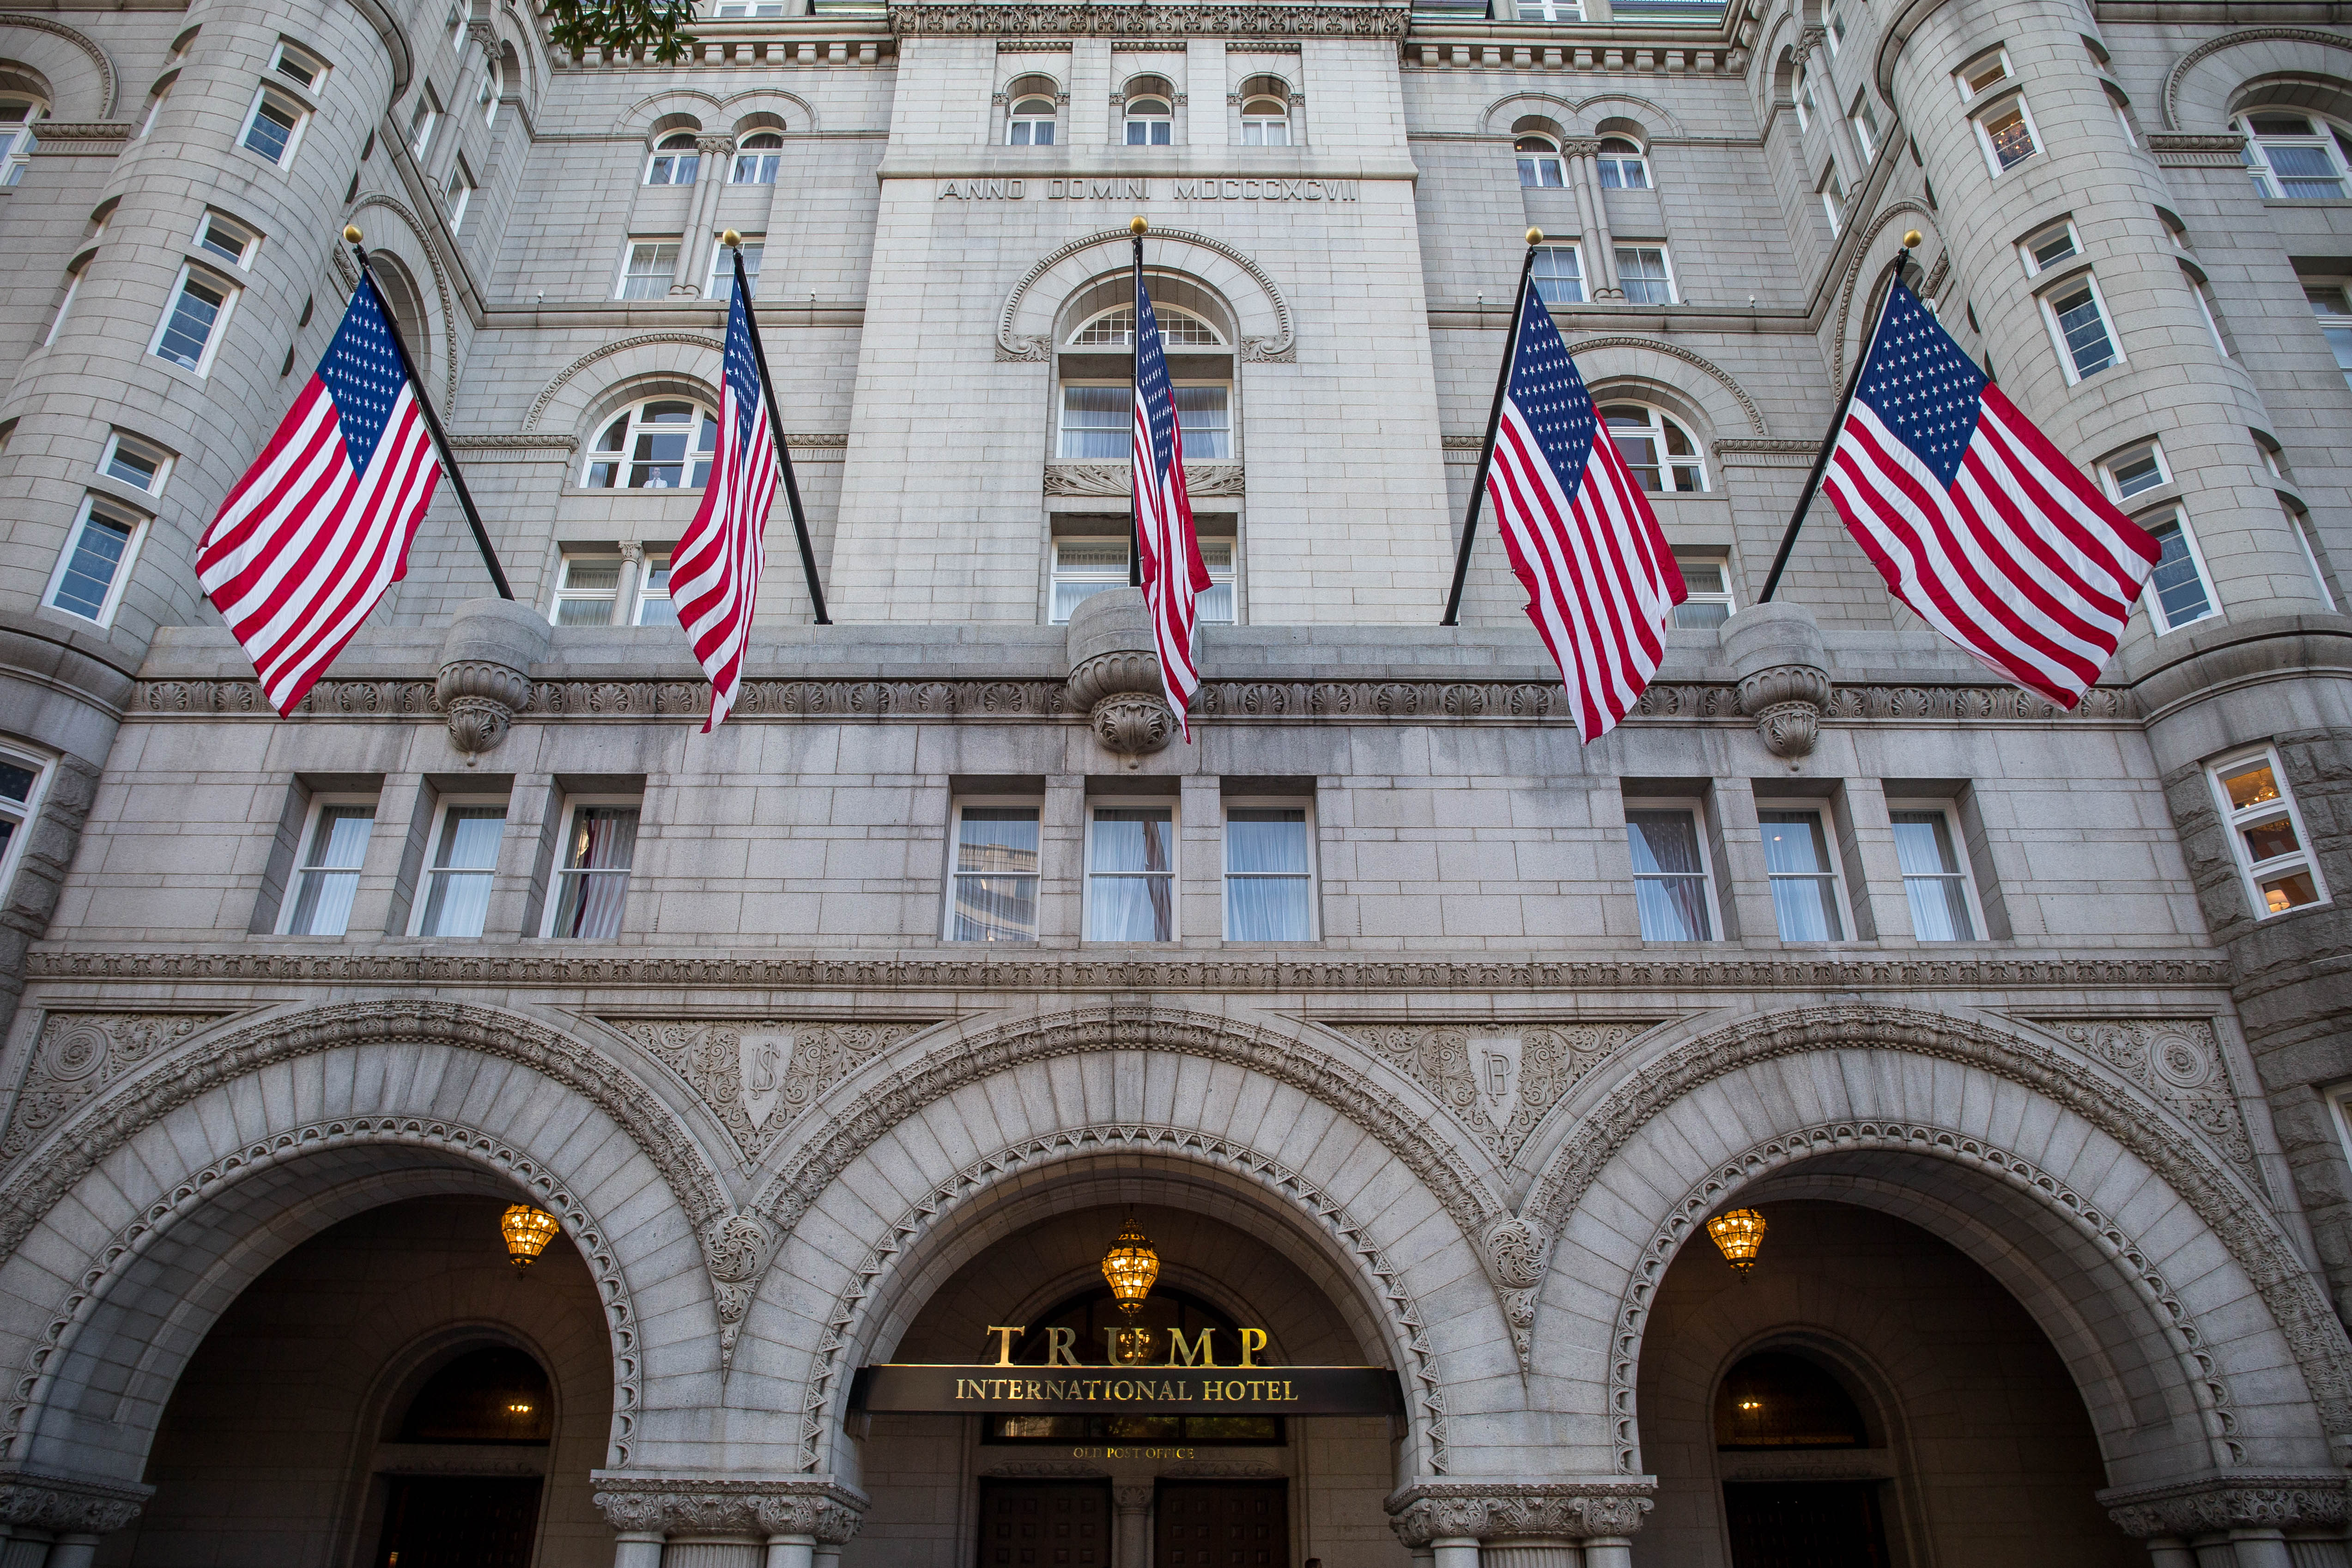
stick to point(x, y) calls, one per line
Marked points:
point(758, 1075)
point(2227, 1206)
point(1024, 328)
point(1676, 351)
point(641, 341)
point(440, 284)
point(107, 88)
point(1879, 226)
point(2179, 75)
point(1320, 1208)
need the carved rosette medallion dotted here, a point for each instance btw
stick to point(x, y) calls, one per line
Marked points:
point(78, 1054)
point(1515, 1253)
point(2180, 1062)
point(759, 1075)
point(736, 1250)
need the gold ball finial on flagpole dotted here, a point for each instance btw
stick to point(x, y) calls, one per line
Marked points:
point(1137, 225)
point(351, 233)
point(1535, 236)
point(730, 239)
point(1913, 239)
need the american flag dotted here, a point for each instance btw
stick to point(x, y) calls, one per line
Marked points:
point(1173, 577)
point(715, 575)
point(1975, 520)
point(1582, 536)
point(319, 528)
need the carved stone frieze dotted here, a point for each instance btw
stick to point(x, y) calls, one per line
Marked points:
point(1115, 479)
point(1045, 1469)
point(758, 1075)
point(1180, 20)
point(2211, 1504)
point(819, 1506)
point(1210, 1470)
point(2180, 1062)
point(68, 1505)
point(78, 1054)
point(1499, 1080)
point(1573, 1510)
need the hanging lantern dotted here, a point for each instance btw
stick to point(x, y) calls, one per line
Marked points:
point(528, 1231)
point(1739, 1234)
point(1131, 1266)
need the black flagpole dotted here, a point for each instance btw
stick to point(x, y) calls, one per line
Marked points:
point(1837, 423)
point(433, 423)
point(1493, 422)
point(734, 242)
point(1134, 376)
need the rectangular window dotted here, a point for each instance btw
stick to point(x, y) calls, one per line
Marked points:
point(1709, 578)
point(1214, 607)
point(232, 242)
point(1084, 567)
point(2130, 473)
point(2335, 322)
point(2204, 294)
point(1559, 275)
point(455, 22)
point(1806, 107)
point(1863, 115)
point(96, 562)
point(465, 858)
point(1203, 418)
point(1935, 876)
point(421, 122)
point(21, 778)
point(2045, 248)
point(298, 65)
point(2308, 537)
point(647, 265)
point(1131, 875)
point(73, 287)
point(1096, 422)
point(655, 606)
point(1671, 885)
point(993, 888)
point(1834, 30)
point(723, 269)
point(334, 847)
point(458, 193)
point(135, 463)
point(2266, 834)
point(2179, 591)
point(1648, 276)
point(1833, 194)
point(1805, 892)
point(592, 884)
point(191, 329)
point(1269, 874)
point(273, 126)
point(2006, 132)
point(1986, 71)
point(2078, 321)
point(587, 587)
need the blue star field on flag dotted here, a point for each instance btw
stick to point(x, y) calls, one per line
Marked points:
point(1151, 386)
point(1921, 386)
point(1549, 393)
point(361, 370)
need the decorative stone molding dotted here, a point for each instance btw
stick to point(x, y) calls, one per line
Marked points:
point(1784, 686)
point(79, 137)
point(68, 1505)
point(759, 1075)
point(1180, 20)
point(2289, 1291)
point(426, 248)
point(1676, 351)
point(1118, 479)
point(1575, 1509)
point(1206, 1469)
point(2180, 1062)
point(78, 1054)
point(1319, 1208)
point(1115, 673)
point(2172, 151)
point(1538, 1063)
point(547, 393)
point(820, 1506)
point(108, 90)
point(1011, 346)
point(1132, 723)
point(2211, 46)
point(1515, 1253)
point(2211, 1504)
point(736, 1250)
point(1046, 1469)
point(495, 441)
point(480, 700)
point(1918, 216)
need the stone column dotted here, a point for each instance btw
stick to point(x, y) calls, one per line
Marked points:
point(638, 1549)
point(56, 1522)
point(2171, 1551)
point(694, 246)
point(791, 1551)
point(794, 1516)
point(1601, 280)
point(1522, 1524)
point(1133, 1546)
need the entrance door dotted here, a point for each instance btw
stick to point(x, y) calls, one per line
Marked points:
point(1222, 1525)
point(453, 1523)
point(1804, 1524)
point(1045, 1524)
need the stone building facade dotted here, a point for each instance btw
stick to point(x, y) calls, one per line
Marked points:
point(1414, 1034)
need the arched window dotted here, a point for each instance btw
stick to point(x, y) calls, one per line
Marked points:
point(1031, 122)
point(1115, 329)
point(756, 157)
point(2294, 155)
point(1265, 112)
point(1656, 447)
point(675, 160)
point(1774, 1399)
point(665, 445)
point(17, 117)
point(1622, 167)
point(1539, 162)
point(1151, 114)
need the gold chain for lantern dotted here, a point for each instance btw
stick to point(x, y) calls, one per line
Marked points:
point(1739, 1234)
point(1131, 1266)
point(528, 1231)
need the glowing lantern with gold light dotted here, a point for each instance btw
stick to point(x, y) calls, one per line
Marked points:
point(1131, 1266)
point(528, 1231)
point(1739, 1234)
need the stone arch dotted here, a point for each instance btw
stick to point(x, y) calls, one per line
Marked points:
point(534, 57)
point(1654, 119)
point(1722, 405)
point(80, 74)
point(416, 252)
point(2199, 88)
point(2118, 1195)
point(1024, 325)
point(769, 108)
point(566, 402)
point(1871, 260)
point(679, 109)
point(1502, 116)
point(637, 387)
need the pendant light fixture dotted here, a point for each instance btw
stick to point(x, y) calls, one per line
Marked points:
point(528, 1231)
point(1739, 1235)
point(1131, 1266)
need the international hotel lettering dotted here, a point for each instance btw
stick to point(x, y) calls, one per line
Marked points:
point(1126, 189)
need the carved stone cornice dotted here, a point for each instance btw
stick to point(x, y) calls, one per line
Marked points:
point(1115, 479)
point(1180, 20)
point(68, 1505)
point(75, 135)
point(2210, 1504)
point(757, 1506)
point(1573, 1510)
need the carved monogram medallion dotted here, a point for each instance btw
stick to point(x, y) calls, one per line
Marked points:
point(759, 1075)
point(80, 1054)
point(1500, 1079)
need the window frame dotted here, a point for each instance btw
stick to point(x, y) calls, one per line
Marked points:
point(1863, 115)
point(766, 162)
point(1801, 94)
point(115, 441)
point(302, 55)
point(1665, 259)
point(157, 96)
point(1960, 78)
point(661, 150)
point(557, 872)
point(1639, 160)
point(628, 254)
point(1831, 191)
point(2249, 873)
point(1728, 597)
point(1841, 901)
point(2111, 481)
point(1032, 804)
point(219, 329)
point(1661, 421)
point(1188, 384)
point(424, 122)
point(1227, 575)
point(492, 92)
point(1539, 160)
point(561, 593)
point(2034, 266)
point(1175, 873)
point(1574, 250)
point(2158, 617)
point(1966, 874)
point(16, 150)
point(1014, 120)
point(44, 770)
point(457, 194)
point(640, 593)
point(243, 259)
point(721, 286)
point(286, 103)
point(2269, 184)
point(1696, 808)
point(2047, 298)
point(121, 516)
point(1131, 119)
point(1261, 123)
point(1226, 806)
point(76, 273)
point(2203, 293)
point(441, 810)
point(623, 458)
point(1984, 132)
point(291, 902)
point(2306, 534)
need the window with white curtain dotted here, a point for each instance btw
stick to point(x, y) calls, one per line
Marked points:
point(465, 841)
point(1928, 847)
point(992, 884)
point(1558, 275)
point(1269, 873)
point(675, 160)
point(655, 606)
point(334, 848)
point(1672, 885)
point(1131, 873)
point(592, 884)
point(1806, 891)
point(1083, 568)
point(1707, 577)
point(1150, 113)
point(756, 157)
point(1540, 162)
point(2295, 156)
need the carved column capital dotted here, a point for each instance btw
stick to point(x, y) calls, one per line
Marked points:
point(68, 1505)
point(1115, 673)
point(485, 663)
point(754, 1507)
point(1776, 652)
point(2210, 1504)
point(1569, 1509)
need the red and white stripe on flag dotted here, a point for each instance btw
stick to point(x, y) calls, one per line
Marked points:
point(714, 576)
point(1582, 540)
point(308, 542)
point(1976, 520)
point(1174, 576)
